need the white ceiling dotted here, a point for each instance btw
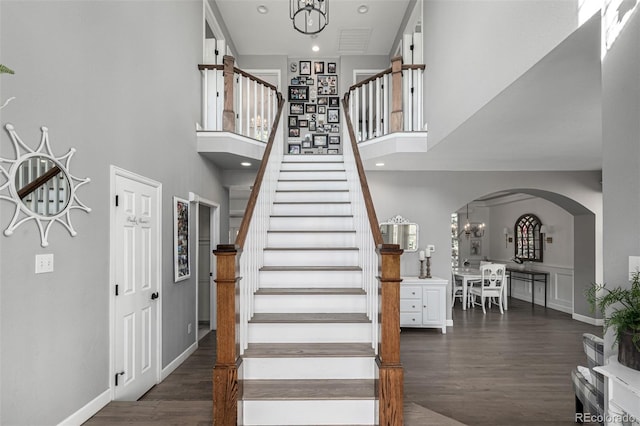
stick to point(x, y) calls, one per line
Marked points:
point(272, 33)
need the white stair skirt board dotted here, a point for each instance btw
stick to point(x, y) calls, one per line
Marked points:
point(311, 239)
point(312, 165)
point(302, 209)
point(316, 158)
point(305, 185)
point(310, 412)
point(313, 196)
point(310, 175)
point(309, 333)
point(278, 278)
point(329, 223)
point(311, 257)
point(308, 368)
point(310, 303)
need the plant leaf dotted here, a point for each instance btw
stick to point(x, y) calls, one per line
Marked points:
point(6, 70)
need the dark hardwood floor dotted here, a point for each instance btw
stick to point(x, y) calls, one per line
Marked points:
point(488, 370)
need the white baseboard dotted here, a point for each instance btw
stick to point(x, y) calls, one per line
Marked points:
point(86, 412)
point(588, 320)
point(450, 323)
point(178, 361)
point(561, 308)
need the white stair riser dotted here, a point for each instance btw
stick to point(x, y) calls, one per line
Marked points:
point(310, 303)
point(311, 239)
point(311, 258)
point(310, 209)
point(297, 223)
point(315, 279)
point(309, 333)
point(312, 196)
point(316, 158)
point(323, 165)
point(316, 175)
point(312, 185)
point(308, 368)
point(310, 412)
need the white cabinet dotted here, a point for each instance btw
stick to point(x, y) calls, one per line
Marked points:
point(423, 303)
point(622, 393)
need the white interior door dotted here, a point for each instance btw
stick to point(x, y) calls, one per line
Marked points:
point(136, 253)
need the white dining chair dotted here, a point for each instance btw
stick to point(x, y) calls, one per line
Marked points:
point(491, 285)
point(456, 289)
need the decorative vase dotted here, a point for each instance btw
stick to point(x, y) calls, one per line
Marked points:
point(628, 354)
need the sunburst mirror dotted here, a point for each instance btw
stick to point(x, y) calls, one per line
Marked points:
point(40, 185)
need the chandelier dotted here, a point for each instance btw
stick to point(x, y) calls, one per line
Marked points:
point(469, 229)
point(309, 16)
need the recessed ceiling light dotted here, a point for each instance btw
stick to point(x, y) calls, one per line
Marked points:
point(244, 163)
point(379, 164)
point(363, 9)
point(315, 48)
point(263, 9)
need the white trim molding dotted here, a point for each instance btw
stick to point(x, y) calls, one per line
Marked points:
point(89, 410)
point(178, 361)
point(588, 320)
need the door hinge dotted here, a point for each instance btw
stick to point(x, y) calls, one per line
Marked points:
point(217, 52)
point(117, 201)
point(411, 47)
point(117, 292)
point(118, 374)
point(210, 274)
point(217, 94)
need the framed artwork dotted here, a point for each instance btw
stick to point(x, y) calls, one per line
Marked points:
point(305, 67)
point(303, 123)
point(331, 68)
point(181, 260)
point(334, 102)
point(310, 81)
point(318, 67)
point(294, 148)
point(327, 85)
point(320, 140)
point(295, 82)
point(333, 140)
point(294, 132)
point(332, 151)
point(299, 93)
point(333, 115)
point(306, 143)
point(322, 109)
point(310, 108)
point(335, 128)
point(296, 108)
point(312, 126)
point(293, 121)
point(323, 100)
point(476, 247)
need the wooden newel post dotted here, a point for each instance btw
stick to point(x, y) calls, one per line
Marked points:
point(396, 124)
point(225, 371)
point(228, 114)
point(391, 380)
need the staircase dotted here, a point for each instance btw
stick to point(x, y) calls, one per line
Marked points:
point(310, 357)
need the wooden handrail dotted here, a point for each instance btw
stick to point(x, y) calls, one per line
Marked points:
point(39, 181)
point(203, 67)
point(413, 67)
point(237, 70)
point(253, 198)
point(371, 213)
point(387, 71)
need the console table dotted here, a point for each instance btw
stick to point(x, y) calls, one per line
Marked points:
point(530, 276)
point(423, 303)
point(622, 391)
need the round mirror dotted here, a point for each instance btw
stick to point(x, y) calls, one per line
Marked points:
point(42, 185)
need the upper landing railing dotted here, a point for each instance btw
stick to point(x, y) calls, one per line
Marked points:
point(388, 102)
point(236, 101)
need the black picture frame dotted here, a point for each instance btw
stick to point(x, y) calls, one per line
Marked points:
point(296, 108)
point(303, 123)
point(305, 67)
point(332, 151)
point(294, 132)
point(293, 121)
point(318, 67)
point(331, 68)
point(310, 108)
point(299, 93)
point(333, 115)
point(320, 140)
point(310, 81)
point(322, 109)
point(335, 128)
point(295, 81)
point(294, 148)
point(334, 102)
point(312, 126)
point(334, 139)
point(306, 143)
point(323, 100)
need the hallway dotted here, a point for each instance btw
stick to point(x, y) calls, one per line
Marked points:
point(533, 351)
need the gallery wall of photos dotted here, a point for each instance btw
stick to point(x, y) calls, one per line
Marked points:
point(313, 109)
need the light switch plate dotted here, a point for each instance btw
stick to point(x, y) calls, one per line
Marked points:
point(44, 263)
point(431, 247)
point(634, 265)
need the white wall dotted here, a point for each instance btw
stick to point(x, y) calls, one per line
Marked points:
point(119, 82)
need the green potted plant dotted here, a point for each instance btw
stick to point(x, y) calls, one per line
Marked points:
point(5, 70)
point(621, 310)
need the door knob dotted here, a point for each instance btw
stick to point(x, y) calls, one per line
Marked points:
point(155, 295)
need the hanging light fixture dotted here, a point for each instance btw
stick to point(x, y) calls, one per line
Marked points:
point(477, 229)
point(309, 16)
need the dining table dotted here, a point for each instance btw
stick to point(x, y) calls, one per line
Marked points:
point(470, 275)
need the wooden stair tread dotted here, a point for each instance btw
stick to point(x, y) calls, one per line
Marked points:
point(312, 171)
point(299, 231)
point(312, 190)
point(311, 215)
point(309, 318)
point(311, 202)
point(308, 389)
point(311, 268)
point(308, 350)
point(331, 291)
point(310, 248)
point(312, 180)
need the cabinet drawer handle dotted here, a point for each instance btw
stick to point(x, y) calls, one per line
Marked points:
point(413, 292)
point(413, 319)
point(424, 306)
point(413, 306)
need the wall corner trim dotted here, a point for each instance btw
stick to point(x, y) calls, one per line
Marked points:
point(588, 320)
point(86, 412)
point(178, 361)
